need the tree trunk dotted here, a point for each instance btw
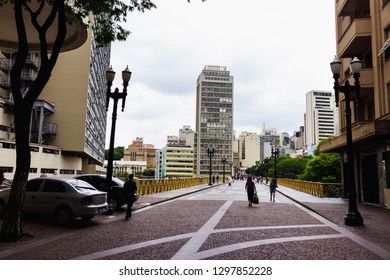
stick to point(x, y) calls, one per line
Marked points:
point(11, 229)
point(12, 224)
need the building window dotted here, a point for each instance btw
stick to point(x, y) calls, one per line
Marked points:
point(51, 151)
point(7, 169)
point(67, 171)
point(48, 171)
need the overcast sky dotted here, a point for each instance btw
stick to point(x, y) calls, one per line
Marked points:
point(277, 51)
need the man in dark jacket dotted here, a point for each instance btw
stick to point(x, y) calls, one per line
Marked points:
point(129, 190)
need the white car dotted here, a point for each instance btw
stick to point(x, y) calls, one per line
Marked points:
point(63, 198)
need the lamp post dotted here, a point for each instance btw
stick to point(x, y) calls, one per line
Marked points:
point(275, 153)
point(224, 160)
point(116, 95)
point(210, 152)
point(353, 217)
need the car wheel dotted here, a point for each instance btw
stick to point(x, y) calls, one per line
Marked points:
point(2, 208)
point(114, 203)
point(63, 215)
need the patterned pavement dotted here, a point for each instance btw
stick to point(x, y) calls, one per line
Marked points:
point(212, 223)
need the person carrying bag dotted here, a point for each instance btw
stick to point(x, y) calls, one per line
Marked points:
point(250, 190)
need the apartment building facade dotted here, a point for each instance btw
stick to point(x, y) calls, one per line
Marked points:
point(363, 31)
point(175, 161)
point(214, 120)
point(68, 124)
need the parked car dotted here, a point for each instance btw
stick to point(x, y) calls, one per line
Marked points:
point(117, 200)
point(64, 198)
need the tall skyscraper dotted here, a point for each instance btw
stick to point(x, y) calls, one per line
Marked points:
point(214, 119)
point(320, 117)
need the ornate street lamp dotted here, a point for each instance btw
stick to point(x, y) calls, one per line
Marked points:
point(210, 152)
point(224, 160)
point(116, 95)
point(275, 152)
point(353, 217)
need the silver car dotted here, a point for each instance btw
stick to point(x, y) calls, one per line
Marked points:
point(64, 199)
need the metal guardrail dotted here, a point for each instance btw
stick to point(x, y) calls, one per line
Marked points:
point(151, 186)
point(314, 188)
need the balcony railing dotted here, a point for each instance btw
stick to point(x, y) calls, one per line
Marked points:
point(29, 74)
point(6, 64)
point(49, 128)
point(356, 38)
point(5, 81)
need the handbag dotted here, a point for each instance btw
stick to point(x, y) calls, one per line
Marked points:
point(255, 199)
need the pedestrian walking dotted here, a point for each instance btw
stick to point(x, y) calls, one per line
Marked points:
point(272, 189)
point(250, 190)
point(129, 191)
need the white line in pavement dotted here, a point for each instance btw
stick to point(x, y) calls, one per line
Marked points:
point(202, 234)
point(130, 247)
point(244, 245)
point(192, 251)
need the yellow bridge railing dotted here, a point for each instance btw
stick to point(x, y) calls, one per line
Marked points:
point(151, 186)
point(313, 188)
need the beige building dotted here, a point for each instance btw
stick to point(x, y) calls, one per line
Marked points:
point(138, 151)
point(363, 31)
point(249, 149)
point(69, 120)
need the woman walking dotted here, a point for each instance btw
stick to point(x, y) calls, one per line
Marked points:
point(250, 190)
point(272, 190)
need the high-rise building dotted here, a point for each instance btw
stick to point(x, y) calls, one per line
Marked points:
point(68, 123)
point(214, 119)
point(319, 117)
point(363, 31)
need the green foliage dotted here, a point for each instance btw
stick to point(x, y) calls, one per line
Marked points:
point(326, 168)
point(146, 174)
point(118, 153)
point(291, 167)
point(323, 167)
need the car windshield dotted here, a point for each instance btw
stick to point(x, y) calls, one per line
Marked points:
point(81, 185)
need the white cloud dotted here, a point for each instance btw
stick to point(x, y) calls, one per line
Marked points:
point(277, 51)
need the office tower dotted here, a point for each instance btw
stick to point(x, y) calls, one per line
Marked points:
point(320, 117)
point(214, 119)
